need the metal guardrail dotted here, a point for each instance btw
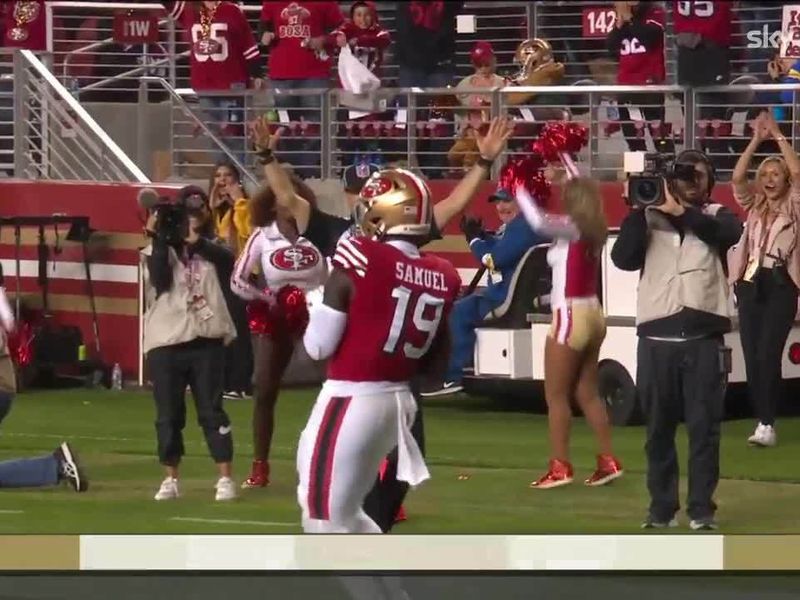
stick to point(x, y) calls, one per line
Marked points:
point(55, 137)
point(6, 112)
point(399, 126)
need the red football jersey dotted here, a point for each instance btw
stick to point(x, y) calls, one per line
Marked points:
point(399, 307)
point(235, 46)
point(711, 19)
point(293, 23)
point(24, 25)
point(367, 45)
point(640, 64)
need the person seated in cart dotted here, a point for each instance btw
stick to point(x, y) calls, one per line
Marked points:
point(499, 252)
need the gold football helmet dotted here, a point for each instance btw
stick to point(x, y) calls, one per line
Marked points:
point(394, 202)
point(531, 55)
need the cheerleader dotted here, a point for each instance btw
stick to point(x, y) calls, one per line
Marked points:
point(578, 328)
point(291, 267)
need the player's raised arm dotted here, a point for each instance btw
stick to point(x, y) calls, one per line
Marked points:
point(277, 177)
point(490, 146)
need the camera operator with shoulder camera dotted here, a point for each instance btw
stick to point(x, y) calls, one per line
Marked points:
point(186, 328)
point(678, 239)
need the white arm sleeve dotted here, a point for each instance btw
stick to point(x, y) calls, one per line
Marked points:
point(324, 332)
point(553, 226)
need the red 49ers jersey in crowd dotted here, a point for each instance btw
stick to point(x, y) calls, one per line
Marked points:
point(400, 305)
point(712, 20)
point(236, 46)
point(24, 24)
point(367, 44)
point(293, 23)
point(641, 58)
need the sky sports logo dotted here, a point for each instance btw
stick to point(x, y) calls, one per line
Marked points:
point(764, 38)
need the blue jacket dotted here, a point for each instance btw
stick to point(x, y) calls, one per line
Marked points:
point(506, 250)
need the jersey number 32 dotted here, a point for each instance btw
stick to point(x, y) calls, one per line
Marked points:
point(428, 326)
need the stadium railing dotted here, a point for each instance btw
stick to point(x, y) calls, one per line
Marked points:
point(55, 137)
point(419, 127)
point(6, 111)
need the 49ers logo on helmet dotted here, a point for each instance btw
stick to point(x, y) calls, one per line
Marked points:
point(294, 258)
point(375, 187)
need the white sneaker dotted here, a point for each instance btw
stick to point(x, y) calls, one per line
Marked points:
point(763, 436)
point(226, 489)
point(168, 489)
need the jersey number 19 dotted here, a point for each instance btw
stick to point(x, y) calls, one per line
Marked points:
point(403, 295)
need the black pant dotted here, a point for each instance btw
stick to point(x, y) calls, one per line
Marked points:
point(709, 64)
point(767, 308)
point(387, 495)
point(239, 354)
point(652, 107)
point(200, 365)
point(678, 380)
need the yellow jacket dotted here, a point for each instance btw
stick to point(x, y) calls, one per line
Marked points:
point(233, 226)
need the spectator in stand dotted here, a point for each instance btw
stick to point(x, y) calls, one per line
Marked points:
point(224, 58)
point(368, 41)
point(425, 49)
point(637, 41)
point(784, 70)
point(23, 26)
point(426, 42)
point(704, 33)
point(475, 118)
point(296, 34)
point(364, 34)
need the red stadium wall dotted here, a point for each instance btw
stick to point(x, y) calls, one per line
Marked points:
point(114, 214)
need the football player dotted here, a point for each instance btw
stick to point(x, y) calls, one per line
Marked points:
point(384, 310)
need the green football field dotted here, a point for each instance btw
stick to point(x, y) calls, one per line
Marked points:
point(499, 449)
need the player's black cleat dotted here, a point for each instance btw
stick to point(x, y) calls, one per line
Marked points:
point(69, 468)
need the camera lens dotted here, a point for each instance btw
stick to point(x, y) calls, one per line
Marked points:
point(646, 191)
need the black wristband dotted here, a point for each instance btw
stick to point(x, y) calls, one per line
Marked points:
point(265, 156)
point(484, 162)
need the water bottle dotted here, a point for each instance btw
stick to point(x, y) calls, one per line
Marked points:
point(116, 377)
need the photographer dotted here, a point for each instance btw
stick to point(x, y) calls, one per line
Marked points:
point(678, 241)
point(186, 328)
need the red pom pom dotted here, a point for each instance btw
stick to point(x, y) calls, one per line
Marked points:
point(560, 136)
point(20, 344)
point(293, 308)
point(527, 172)
point(260, 318)
point(289, 314)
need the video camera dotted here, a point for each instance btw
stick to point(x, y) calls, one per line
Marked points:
point(647, 175)
point(172, 218)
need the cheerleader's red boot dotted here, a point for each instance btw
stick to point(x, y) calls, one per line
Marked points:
point(558, 474)
point(259, 475)
point(608, 469)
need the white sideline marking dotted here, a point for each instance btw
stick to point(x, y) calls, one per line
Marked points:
point(11, 512)
point(232, 522)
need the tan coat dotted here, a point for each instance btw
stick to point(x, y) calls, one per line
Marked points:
point(168, 319)
point(678, 274)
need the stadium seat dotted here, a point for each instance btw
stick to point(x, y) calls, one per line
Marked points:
point(533, 295)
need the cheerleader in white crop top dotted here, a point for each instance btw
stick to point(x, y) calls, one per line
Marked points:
point(291, 271)
point(578, 328)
